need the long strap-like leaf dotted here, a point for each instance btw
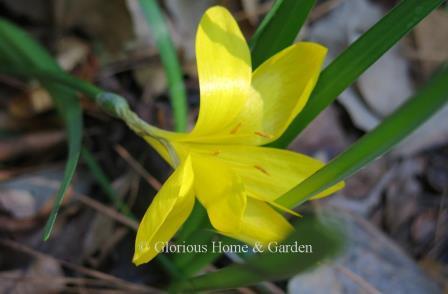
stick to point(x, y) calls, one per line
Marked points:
point(374, 144)
point(158, 26)
point(325, 241)
point(351, 63)
point(18, 48)
point(279, 28)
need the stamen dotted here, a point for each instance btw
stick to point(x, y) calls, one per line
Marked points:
point(235, 129)
point(262, 169)
point(261, 134)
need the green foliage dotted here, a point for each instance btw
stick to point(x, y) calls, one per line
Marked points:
point(374, 144)
point(18, 49)
point(168, 55)
point(325, 240)
point(104, 182)
point(19, 54)
point(351, 63)
point(279, 28)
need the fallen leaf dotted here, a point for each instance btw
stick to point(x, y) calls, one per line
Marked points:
point(37, 10)
point(386, 84)
point(431, 41)
point(34, 101)
point(18, 203)
point(433, 133)
point(106, 22)
point(370, 263)
point(251, 8)
point(321, 280)
point(31, 196)
point(360, 115)
point(325, 134)
point(71, 52)
point(29, 143)
point(41, 277)
point(185, 17)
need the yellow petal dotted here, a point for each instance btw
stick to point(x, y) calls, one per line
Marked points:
point(284, 83)
point(224, 69)
point(261, 224)
point(238, 107)
point(220, 191)
point(167, 212)
point(231, 212)
point(279, 90)
point(267, 173)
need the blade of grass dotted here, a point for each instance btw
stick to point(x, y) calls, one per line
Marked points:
point(20, 49)
point(104, 182)
point(374, 144)
point(198, 218)
point(168, 55)
point(11, 63)
point(279, 28)
point(73, 120)
point(325, 241)
point(203, 236)
point(351, 63)
point(192, 263)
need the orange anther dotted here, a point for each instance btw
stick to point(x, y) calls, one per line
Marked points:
point(262, 169)
point(235, 129)
point(261, 134)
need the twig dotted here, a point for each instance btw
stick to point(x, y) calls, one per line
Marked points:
point(89, 201)
point(38, 279)
point(37, 141)
point(110, 212)
point(368, 288)
point(153, 182)
point(139, 60)
point(323, 9)
point(83, 270)
point(262, 9)
point(134, 188)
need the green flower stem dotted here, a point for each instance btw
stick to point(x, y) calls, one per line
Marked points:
point(167, 52)
point(114, 104)
point(374, 144)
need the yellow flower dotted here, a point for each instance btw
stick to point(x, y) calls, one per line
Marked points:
point(220, 162)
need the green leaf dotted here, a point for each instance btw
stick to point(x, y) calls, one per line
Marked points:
point(279, 28)
point(173, 71)
point(351, 63)
point(203, 235)
point(18, 48)
point(192, 263)
point(104, 182)
point(374, 144)
point(197, 219)
point(325, 242)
